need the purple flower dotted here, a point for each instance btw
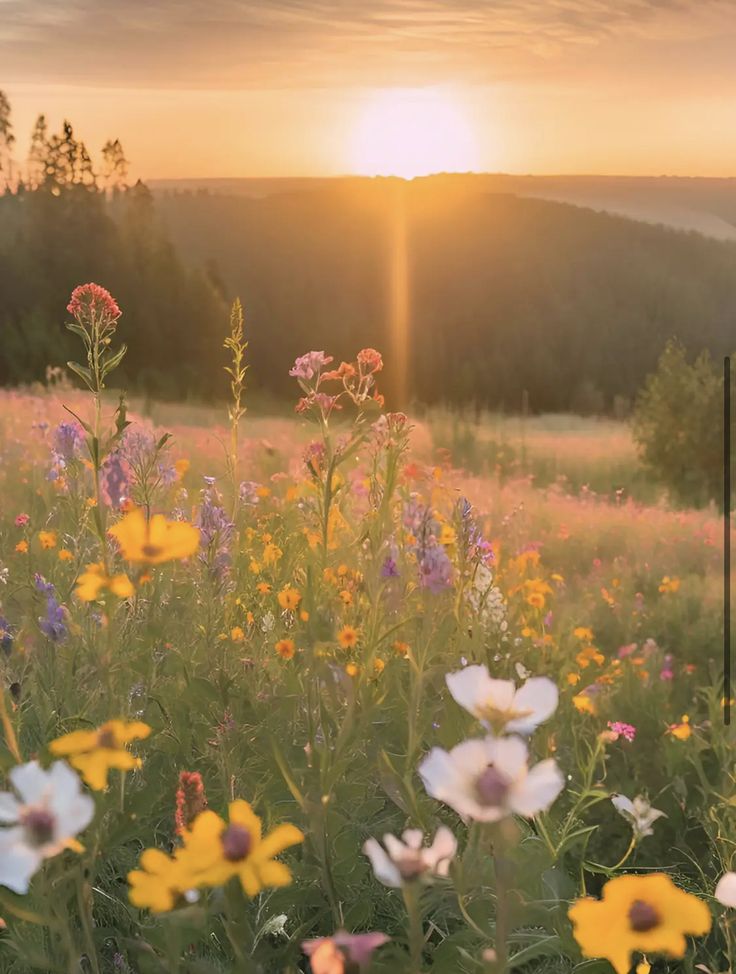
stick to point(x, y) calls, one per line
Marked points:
point(216, 531)
point(68, 438)
point(115, 478)
point(6, 635)
point(435, 569)
point(628, 731)
point(308, 366)
point(42, 586)
point(389, 569)
point(53, 624)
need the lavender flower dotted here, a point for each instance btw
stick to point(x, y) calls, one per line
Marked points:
point(68, 438)
point(435, 569)
point(6, 636)
point(53, 624)
point(115, 479)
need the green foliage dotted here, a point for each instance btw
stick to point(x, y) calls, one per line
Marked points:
point(678, 424)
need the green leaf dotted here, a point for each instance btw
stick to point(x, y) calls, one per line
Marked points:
point(82, 372)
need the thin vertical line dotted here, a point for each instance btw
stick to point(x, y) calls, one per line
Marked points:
point(727, 540)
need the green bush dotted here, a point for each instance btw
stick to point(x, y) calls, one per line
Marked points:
point(678, 426)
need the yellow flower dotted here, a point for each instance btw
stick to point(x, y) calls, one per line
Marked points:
point(669, 584)
point(22, 547)
point(263, 587)
point(573, 679)
point(289, 599)
point(536, 600)
point(215, 851)
point(638, 913)
point(681, 731)
point(92, 581)
point(155, 541)
point(584, 703)
point(447, 535)
point(401, 648)
point(158, 883)
point(47, 539)
point(348, 637)
point(346, 597)
point(379, 665)
point(65, 555)
point(181, 466)
point(286, 648)
point(94, 752)
point(352, 669)
point(237, 635)
point(271, 554)
point(584, 633)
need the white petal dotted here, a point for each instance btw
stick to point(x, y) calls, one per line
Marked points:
point(623, 805)
point(73, 809)
point(413, 838)
point(537, 790)
point(509, 755)
point(30, 781)
point(9, 808)
point(539, 696)
point(383, 868)
point(465, 685)
point(395, 847)
point(726, 890)
point(442, 851)
point(18, 862)
point(450, 777)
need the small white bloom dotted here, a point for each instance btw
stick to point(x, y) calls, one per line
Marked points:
point(397, 862)
point(638, 813)
point(486, 779)
point(268, 622)
point(726, 889)
point(40, 820)
point(498, 705)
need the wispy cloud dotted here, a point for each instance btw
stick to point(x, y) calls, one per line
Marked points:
point(283, 43)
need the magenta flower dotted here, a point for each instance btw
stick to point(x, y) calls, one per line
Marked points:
point(21, 520)
point(620, 729)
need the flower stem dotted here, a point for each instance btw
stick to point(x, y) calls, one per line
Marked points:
point(416, 930)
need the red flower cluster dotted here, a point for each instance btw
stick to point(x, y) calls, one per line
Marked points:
point(93, 301)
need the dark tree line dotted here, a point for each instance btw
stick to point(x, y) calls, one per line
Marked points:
point(65, 221)
point(506, 299)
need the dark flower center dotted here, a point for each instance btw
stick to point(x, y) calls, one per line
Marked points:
point(151, 550)
point(411, 866)
point(236, 843)
point(106, 738)
point(643, 917)
point(492, 787)
point(39, 825)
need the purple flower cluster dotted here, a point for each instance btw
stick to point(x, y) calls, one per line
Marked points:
point(216, 532)
point(53, 623)
point(115, 479)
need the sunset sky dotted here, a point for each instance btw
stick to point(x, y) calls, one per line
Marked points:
point(197, 88)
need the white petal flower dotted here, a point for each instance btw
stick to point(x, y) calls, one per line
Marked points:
point(639, 814)
point(400, 861)
point(498, 704)
point(725, 891)
point(486, 779)
point(40, 821)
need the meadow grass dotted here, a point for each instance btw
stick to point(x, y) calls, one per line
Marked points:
point(279, 625)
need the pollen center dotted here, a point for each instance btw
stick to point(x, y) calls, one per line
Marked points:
point(492, 787)
point(39, 825)
point(151, 550)
point(236, 843)
point(643, 917)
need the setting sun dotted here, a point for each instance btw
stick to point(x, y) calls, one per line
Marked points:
point(413, 132)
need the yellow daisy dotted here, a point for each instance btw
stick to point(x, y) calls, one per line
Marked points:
point(638, 913)
point(94, 752)
point(155, 541)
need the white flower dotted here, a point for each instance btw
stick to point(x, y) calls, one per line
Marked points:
point(402, 861)
point(488, 778)
point(639, 814)
point(726, 889)
point(498, 704)
point(40, 821)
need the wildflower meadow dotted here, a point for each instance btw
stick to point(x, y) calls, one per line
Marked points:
point(335, 705)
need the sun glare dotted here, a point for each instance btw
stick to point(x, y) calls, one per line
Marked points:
point(413, 132)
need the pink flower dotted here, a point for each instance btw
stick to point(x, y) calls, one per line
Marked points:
point(355, 948)
point(620, 729)
point(89, 301)
point(21, 520)
point(310, 365)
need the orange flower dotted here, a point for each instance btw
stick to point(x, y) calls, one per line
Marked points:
point(348, 637)
point(286, 648)
point(47, 539)
point(289, 599)
point(22, 547)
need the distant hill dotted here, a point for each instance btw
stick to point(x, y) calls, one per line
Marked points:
point(707, 205)
point(503, 293)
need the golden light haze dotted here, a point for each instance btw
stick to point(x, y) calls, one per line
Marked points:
point(237, 88)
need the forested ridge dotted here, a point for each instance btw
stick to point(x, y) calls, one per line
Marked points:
point(505, 297)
